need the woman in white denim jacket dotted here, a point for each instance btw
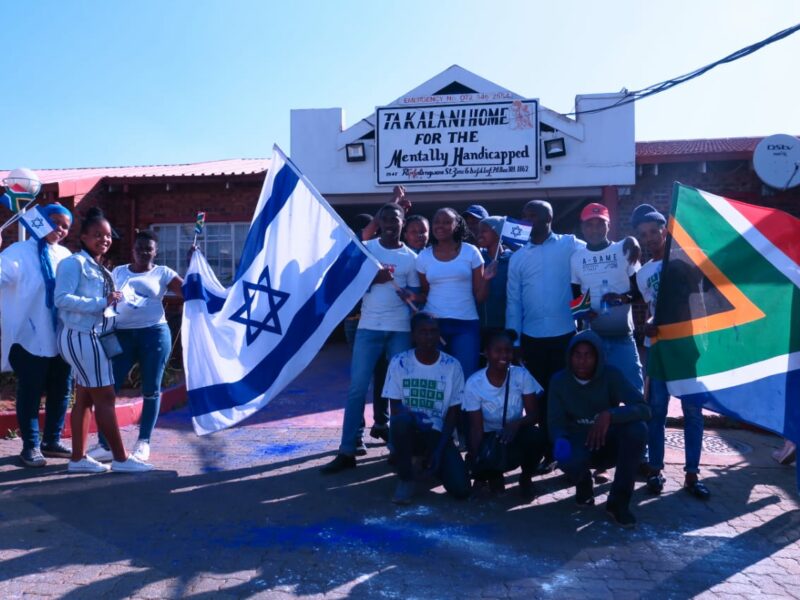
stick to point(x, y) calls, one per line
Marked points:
point(84, 293)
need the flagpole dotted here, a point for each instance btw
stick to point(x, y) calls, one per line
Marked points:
point(406, 300)
point(17, 216)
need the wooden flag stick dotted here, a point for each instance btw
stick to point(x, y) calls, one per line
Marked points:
point(18, 215)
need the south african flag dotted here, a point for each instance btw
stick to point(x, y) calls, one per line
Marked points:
point(199, 223)
point(15, 200)
point(728, 310)
point(581, 306)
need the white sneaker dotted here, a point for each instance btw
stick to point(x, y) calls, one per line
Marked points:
point(132, 465)
point(100, 454)
point(86, 465)
point(142, 450)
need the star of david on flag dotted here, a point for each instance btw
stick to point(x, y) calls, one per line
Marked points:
point(36, 223)
point(515, 233)
point(301, 272)
point(270, 321)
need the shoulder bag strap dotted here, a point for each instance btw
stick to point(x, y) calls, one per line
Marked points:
point(505, 402)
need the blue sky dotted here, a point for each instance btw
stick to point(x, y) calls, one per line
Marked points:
point(91, 83)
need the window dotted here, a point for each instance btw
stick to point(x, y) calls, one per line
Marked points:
point(221, 244)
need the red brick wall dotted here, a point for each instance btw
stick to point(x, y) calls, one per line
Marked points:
point(732, 179)
point(139, 205)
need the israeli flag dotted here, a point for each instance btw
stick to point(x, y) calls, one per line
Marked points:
point(516, 233)
point(301, 272)
point(37, 223)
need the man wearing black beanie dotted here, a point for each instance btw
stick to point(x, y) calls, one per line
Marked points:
point(651, 229)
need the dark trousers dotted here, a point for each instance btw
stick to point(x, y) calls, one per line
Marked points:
point(409, 440)
point(380, 405)
point(37, 375)
point(624, 445)
point(544, 357)
point(525, 450)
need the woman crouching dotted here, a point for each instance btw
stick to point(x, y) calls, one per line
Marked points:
point(502, 438)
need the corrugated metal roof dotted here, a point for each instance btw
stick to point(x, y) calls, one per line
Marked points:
point(237, 166)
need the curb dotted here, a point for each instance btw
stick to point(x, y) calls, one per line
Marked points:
point(128, 412)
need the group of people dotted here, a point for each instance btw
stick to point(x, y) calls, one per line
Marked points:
point(485, 357)
point(66, 317)
point(478, 363)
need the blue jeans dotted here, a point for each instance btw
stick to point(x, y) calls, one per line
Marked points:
point(621, 353)
point(658, 397)
point(37, 374)
point(368, 347)
point(150, 347)
point(462, 342)
point(410, 441)
point(624, 445)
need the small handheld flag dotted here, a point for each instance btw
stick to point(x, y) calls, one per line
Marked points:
point(199, 223)
point(15, 200)
point(515, 233)
point(581, 306)
point(36, 222)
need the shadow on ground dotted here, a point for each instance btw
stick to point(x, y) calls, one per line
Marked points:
point(237, 528)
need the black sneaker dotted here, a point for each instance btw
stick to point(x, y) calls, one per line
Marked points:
point(548, 465)
point(56, 450)
point(361, 450)
point(584, 492)
point(655, 483)
point(620, 513)
point(379, 432)
point(526, 486)
point(497, 484)
point(32, 457)
point(342, 462)
point(698, 490)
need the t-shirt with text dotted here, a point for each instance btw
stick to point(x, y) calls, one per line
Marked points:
point(428, 389)
point(480, 394)
point(381, 308)
point(589, 268)
point(647, 280)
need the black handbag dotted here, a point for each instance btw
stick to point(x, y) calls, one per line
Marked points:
point(492, 453)
point(110, 343)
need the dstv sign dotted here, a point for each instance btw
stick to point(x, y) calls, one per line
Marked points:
point(776, 160)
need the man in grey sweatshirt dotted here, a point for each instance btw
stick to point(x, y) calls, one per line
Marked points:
point(596, 419)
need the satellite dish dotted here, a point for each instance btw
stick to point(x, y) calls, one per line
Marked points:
point(777, 161)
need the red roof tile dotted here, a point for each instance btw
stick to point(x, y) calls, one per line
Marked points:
point(239, 166)
point(692, 150)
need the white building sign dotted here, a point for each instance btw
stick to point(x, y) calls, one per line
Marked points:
point(488, 141)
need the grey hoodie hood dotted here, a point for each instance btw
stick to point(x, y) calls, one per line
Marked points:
point(592, 338)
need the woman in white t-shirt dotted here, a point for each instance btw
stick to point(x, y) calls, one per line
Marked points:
point(503, 389)
point(143, 333)
point(452, 280)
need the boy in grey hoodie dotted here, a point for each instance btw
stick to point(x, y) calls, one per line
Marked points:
point(596, 419)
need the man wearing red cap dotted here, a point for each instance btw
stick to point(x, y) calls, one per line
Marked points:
point(603, 270)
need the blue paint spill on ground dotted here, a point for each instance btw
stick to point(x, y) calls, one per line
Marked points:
point(340, 535)
point(211, 469)
point(284, 449)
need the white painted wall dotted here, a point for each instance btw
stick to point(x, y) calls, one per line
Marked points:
point(601, 147)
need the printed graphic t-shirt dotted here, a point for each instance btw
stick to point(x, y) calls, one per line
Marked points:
point(647, 280)
point(589, 269)
point(381, 308)
point(429, 389)
point(480, 394)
